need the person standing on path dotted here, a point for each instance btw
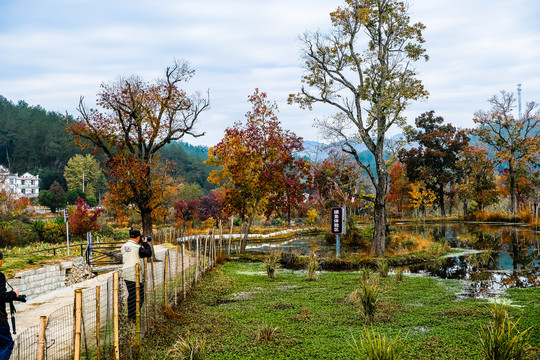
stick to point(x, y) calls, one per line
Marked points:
point(6, 341)
point(132, 253)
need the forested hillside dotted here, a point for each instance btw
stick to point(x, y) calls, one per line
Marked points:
point(34, 140)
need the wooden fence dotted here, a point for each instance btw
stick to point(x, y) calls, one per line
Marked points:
point(96, 326)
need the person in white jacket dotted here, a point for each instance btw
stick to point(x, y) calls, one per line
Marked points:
point(133, 251)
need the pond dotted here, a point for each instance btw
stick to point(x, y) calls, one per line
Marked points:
point(494, 256)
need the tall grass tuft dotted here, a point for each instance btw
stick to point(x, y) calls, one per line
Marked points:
point(501, 340)
point(374, 346)
point(368, 298)
point(312, 266)
point(353, 297)
point(399, 275)
point(266, 333)
point(191, 347)
point(271, 264)
point(365, 274)
point(383, 268)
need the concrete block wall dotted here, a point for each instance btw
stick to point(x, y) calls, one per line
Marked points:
point(40, 281)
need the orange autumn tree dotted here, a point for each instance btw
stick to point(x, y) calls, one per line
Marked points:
point(254, 159)
point(135, 121)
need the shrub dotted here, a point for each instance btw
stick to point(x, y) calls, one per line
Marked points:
point(191, 347)
point(7, 238)
point(53, 232)
point(374, 346)
point(312, 216)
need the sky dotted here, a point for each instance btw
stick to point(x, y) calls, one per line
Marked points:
point(52, 52)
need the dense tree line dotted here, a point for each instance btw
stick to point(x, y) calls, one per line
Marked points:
point(33, 140)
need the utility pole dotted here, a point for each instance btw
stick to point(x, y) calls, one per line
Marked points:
point(519, 100)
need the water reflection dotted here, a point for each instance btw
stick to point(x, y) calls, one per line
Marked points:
point(509, 257)
point(497, 257)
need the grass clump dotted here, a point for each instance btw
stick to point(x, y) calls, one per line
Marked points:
point(383, 268)
point(374, 346)
point(191, 347)
point(501, 340)
point(368, 298)
point(266, 333)
point(312, 266)
point(271, 264)
point(399, 275)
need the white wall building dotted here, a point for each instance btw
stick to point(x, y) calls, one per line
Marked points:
point(26, 185)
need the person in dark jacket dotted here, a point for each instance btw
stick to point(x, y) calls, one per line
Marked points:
point(6, 341)
point(132, 253)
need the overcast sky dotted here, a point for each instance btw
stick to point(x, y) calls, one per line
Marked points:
point(54, 51)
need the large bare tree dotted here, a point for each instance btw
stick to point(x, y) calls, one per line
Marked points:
point(364, 69)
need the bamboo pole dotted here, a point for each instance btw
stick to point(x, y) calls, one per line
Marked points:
point(176, 275)
point(41, 339)
point(197, 258)
point(220, 237)
point(116, 327)
point(98, 322)
point(165, 278)
point(78, 324)
point(205, 259)
point(230, 235)
point(154, 286)
point(145, 289)
point(183, 274)
point(138, 303)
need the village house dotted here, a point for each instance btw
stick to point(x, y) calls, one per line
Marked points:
point(26, 185)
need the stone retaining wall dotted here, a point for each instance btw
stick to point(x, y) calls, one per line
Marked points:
point(34, 283)
point(40, 281)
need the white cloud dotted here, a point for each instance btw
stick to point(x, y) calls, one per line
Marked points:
point(54, 51)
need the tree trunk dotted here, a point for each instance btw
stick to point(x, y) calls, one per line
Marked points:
point(380, 217)
point(146, 216)
point(513, 197)
point(441, 200)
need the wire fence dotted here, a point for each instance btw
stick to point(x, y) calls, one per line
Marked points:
point(102, 324)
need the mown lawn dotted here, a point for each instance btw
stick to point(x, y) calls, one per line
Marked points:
point(314, 319)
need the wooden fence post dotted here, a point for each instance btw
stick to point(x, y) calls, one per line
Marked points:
point(197, 239)
point(230, 235)
point(77, 326)
point(145, 289)
point(138, 303)
point(41, 339)
point(98, 322)
point(154, 286)
point(116, 323)
point(183, 274)
point(176, 275)
point(165, 277)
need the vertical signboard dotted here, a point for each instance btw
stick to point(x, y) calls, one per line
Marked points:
point(338, 220)
point(337, 225)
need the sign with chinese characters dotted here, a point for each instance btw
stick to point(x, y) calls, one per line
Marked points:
point(337, 222)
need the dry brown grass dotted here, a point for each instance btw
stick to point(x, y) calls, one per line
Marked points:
point(405, 242)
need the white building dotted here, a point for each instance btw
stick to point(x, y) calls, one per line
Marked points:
point(26, 185)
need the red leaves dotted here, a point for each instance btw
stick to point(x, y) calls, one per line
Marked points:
point(83, 219)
